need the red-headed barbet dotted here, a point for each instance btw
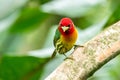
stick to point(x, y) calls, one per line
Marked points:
point(65, 37)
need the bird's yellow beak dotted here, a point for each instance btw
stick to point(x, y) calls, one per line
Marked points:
point(65, 28)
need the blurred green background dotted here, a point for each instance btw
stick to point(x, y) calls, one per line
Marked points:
point(27, 29)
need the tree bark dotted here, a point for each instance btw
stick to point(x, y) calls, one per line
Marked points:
point(88, 59)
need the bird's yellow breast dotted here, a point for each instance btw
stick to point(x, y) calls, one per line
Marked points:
point(69, 40)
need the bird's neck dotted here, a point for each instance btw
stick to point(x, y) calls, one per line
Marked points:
point(72, 37)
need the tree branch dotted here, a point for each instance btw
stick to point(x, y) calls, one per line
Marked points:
point(91, 57)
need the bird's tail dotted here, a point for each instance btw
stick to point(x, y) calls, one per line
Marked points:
point(54, 53)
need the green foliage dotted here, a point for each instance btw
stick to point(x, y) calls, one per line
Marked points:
point(21, 68)
point(28, 26)
point(114, 17)
point(29, 19)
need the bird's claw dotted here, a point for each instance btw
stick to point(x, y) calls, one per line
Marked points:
point(75, 46)
point(66, 57)
point(69, 58)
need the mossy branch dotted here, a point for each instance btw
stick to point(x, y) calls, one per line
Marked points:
point(91, 57)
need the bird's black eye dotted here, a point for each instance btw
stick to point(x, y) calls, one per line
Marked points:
point(68, 25)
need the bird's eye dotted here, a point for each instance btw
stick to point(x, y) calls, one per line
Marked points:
point(68, 25)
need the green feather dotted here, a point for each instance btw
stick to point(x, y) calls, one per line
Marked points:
point(56, 37)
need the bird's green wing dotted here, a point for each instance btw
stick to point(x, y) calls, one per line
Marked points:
point(56, 37)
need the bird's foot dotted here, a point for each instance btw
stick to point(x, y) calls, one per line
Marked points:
point(66, 57)
point(75, 46)
point(69, 58)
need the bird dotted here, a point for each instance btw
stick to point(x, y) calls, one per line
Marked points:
point(65, 37)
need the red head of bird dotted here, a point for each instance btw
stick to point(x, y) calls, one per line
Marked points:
point(66, 26)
